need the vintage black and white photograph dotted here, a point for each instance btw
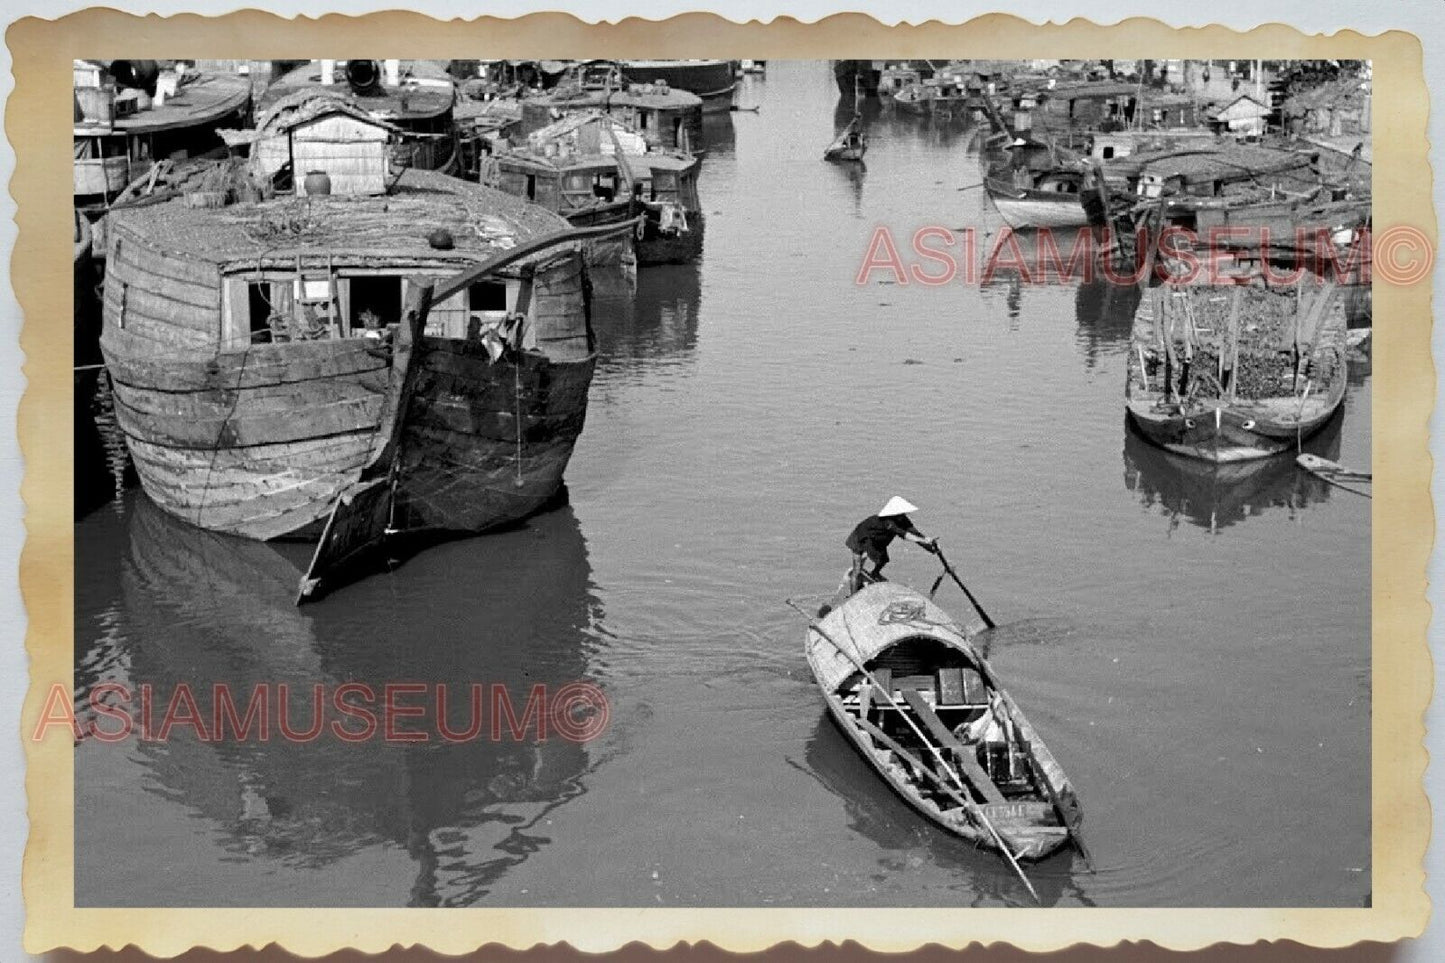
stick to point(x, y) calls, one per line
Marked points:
point(722, 483)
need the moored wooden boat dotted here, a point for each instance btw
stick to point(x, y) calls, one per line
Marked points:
point(593, 168)
point(263, 360)
point(712, 81)
point(1037, 186)
point(1239, 370)
point(850, 145)
point(932, 673)
point(1350, 479)
point(132, 113)
point(667, 117)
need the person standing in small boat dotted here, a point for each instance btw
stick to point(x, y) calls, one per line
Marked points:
point(871, 537)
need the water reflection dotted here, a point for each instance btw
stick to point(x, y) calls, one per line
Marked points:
point(1216, 496)
point(718, 133)
point(1105, 316)
point(875, 811)
point(659, 324)
point(205, 609)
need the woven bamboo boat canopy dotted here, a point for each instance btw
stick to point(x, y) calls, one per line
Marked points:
point(391, 227)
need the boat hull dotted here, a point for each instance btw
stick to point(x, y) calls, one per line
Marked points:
point(655, 247)
point(218, 442)
point(1033, 209)
point(711, 80)
point(486, 443)
point(1278, 407)
point(877, 619)
point(1029, 842)
point(1226, 434)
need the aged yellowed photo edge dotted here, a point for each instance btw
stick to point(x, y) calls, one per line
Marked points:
point(1404, 391)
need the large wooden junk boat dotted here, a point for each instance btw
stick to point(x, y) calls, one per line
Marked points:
point(268, 356)
point(129, 114)
point(1237, 370)
point(914, 695)
point(415, 96)
point(711, 80)
point(592, 168)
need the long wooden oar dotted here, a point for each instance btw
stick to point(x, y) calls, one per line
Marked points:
point(948, 569)
point(887, 694)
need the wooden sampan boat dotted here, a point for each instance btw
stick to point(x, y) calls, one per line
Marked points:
point(1236, 371)
point(933, 680)
point(850, 145)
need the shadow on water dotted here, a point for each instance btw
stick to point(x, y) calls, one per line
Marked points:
point(205, 609)
point(1214, 497)
point(875, 811)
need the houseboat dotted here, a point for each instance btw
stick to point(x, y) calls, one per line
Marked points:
point(591, 168)
point(276, 359)
point(666, 117)
point(1037, 185)
point(711, 80)
point(130, 114)
point(418, 97)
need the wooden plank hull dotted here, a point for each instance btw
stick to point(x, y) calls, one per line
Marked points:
point(875, 622)
point(255, 443)
point(486, 443)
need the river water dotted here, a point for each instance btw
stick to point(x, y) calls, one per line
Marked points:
point(1193, 646)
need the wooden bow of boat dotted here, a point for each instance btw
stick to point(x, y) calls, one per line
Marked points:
point(361, 515)
point(908, 688)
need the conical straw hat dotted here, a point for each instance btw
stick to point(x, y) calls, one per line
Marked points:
point(897, 506)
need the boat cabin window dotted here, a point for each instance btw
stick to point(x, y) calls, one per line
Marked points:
point(258, 301)
point(488, 298)
point(664, 185)
point(605, 185)
point(1107, 151)
point(375, 302)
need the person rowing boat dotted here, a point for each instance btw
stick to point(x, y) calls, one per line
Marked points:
point(871, 537)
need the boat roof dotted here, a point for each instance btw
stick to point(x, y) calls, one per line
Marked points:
point(1083, 90)
point(875, 618)
point(301, 107)
point(426, 90)
point(202, 99)
point(390, 227)
point(633, 95)
point(1222, 161)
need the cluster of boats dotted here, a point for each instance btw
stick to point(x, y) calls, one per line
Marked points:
point(331, 310)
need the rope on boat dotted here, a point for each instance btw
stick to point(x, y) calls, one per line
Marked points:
point(1331, 481)
point(517, 395)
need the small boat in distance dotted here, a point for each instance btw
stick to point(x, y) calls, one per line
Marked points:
point(913, 694)
point(850, 145)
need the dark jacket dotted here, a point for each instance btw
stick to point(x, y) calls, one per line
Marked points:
point(872, 535)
